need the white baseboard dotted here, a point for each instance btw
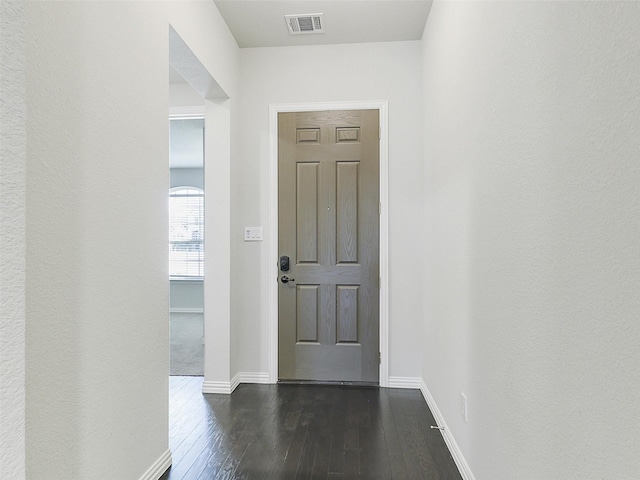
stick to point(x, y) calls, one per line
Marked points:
point(217, 387)
point(418, 383)
point(461, 463)
point(227, 388)
point(253, 377)
point(186, 310)
point(405, 382)
point(160, 466)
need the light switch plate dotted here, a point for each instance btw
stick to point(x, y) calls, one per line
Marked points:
point(252, 234)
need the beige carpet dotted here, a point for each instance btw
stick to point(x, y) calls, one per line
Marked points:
point(187, 344)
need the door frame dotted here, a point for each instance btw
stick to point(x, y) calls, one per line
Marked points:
point(274, 110)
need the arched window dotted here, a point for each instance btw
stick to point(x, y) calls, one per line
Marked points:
point(186, 232)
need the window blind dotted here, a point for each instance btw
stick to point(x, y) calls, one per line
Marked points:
point(186, 232)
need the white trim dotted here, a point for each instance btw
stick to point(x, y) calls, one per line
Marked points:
point(235, 381)
point(384, 244)
point(253, 377)
point(227, 388)
point(456, 453)
point(158, 468)
point(383, 107)
point(406, 382)
point(186, 310)
point(272, 245)
point(192, 112)
point(217, 387)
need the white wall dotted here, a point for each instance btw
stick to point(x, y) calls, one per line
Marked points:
point(96, 361)
point(382, 71)
point(181, 95)
point(201, 26)
point(532, 211)
point(96, 352)
point(97, 289)
point(203, 29)
point(12, 248)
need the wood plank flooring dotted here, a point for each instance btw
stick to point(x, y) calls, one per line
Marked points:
point(283, 432)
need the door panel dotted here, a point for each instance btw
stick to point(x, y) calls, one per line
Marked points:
point(347, 311)
point(307, 212)
point(307, 313)
point(347, 212)
point(329, 227)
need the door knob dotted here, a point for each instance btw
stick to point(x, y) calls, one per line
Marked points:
point(285, 279)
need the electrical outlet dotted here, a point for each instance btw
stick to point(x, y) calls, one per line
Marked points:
point(464, 409)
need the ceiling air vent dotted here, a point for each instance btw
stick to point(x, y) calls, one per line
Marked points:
point(301, 24)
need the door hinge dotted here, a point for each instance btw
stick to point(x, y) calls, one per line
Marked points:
point(379, 358)
point(379, 208)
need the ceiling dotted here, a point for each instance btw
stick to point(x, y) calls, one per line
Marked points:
point(261, 23)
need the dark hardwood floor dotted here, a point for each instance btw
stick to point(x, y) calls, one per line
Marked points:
point(285, 432)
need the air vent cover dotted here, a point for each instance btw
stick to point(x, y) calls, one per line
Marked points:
point(304, 24)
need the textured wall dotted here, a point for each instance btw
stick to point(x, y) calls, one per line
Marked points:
point(97, 289)
point(380, 71)
point(12, 240)
point(532, 261)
